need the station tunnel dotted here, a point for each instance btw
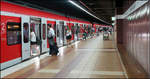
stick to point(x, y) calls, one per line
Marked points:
point(75, 39)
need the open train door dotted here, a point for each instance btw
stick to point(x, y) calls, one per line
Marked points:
point(44, 35)
point(59, 33)
point(25, 35)
point(64, 33)
point(75, 32)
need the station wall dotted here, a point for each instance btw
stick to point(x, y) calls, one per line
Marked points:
point(136, 35)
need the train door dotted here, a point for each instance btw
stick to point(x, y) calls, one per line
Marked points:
point(81, 31)
point(35, 25)
point(73, 32)
point(64, 33)
point(57, 33)
point(76, 31)
point(75, 28)
point(60, 32)
point(44, 35)
point(25, 32)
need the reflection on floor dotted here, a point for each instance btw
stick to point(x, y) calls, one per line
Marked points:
point(35, 50)
point(92, 58)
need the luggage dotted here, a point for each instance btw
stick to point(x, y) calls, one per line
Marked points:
point(54, 49)
point(106, 36)
point(68, 37)
point(84, 36)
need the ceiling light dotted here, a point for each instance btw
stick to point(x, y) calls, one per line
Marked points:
point(113, 18)
point(84, 10)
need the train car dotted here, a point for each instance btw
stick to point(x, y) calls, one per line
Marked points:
point(16, 23)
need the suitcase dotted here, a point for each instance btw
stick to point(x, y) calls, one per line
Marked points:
point(54, 49)
point(106, 36)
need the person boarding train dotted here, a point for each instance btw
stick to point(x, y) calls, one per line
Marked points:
point(52, 44)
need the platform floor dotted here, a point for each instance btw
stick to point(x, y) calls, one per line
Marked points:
point(92, 58)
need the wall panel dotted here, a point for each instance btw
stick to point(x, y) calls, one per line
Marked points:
point(136, 36)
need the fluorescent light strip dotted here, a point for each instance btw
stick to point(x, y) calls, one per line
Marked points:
point(84, 10)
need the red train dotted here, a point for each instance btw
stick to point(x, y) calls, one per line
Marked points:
point(15, 42)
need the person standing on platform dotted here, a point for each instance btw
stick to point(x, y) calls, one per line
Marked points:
point(51, 35)
point(84, 34)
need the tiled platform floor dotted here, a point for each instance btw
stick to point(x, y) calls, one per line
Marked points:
point(92, 58)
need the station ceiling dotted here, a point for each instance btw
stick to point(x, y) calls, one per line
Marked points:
point(103, 9)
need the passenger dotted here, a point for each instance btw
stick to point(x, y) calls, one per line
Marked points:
point(93, 31)
point(51, 35)
point(84, 34)
point(33, 42)
point(68, 37)
point(82, 31)
point(77, 32)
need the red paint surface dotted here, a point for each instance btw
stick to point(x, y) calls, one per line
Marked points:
point(8, 52)
point(95, 27)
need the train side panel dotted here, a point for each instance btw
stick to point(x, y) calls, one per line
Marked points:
point(9, 53)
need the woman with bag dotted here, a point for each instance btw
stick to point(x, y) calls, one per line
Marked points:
point(33, 42)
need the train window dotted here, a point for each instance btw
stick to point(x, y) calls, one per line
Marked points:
point(44, 31)
point(47, 28)
point(13, 33)
point(26, 32)
point(57, 30)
